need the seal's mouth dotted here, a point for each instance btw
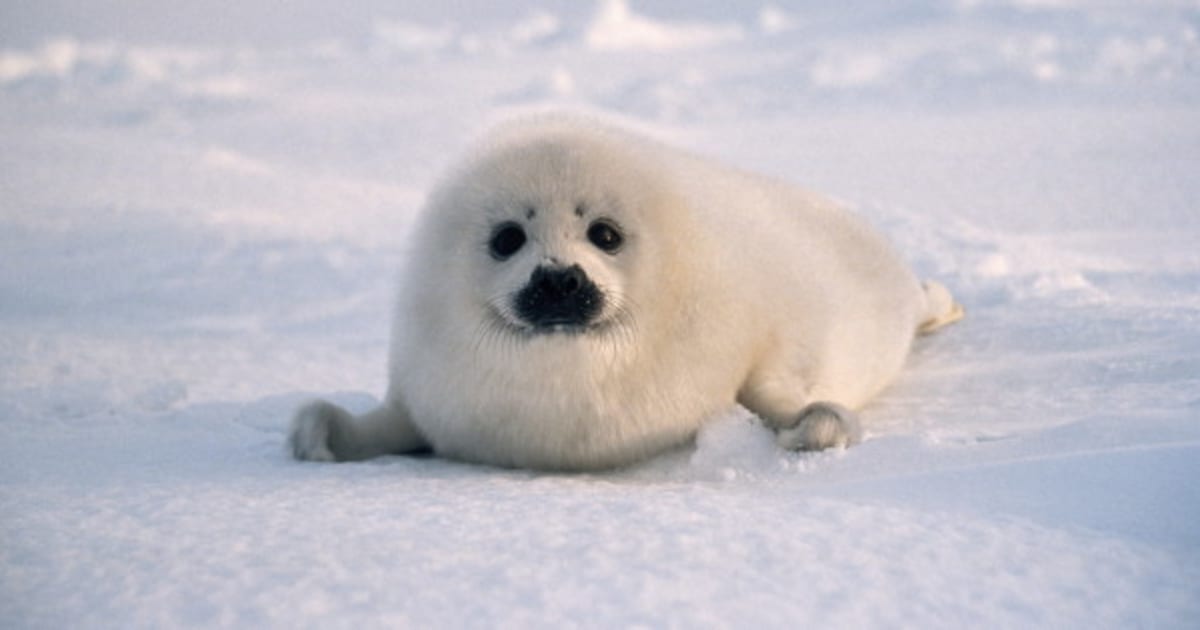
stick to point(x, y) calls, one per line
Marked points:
point(566, 327)
point(563, 328)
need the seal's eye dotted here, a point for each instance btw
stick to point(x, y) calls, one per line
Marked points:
point(507, 240)
point(606, 236)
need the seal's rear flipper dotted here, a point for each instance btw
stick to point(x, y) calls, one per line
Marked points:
point(941, 309)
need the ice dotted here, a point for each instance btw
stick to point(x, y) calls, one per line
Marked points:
point(204, 208)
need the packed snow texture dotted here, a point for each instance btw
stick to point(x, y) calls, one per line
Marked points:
point(204, 207)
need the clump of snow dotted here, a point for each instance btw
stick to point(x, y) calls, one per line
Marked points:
point(616, 27)
point(230, 160)
point(773, 20)
point(733, 446)
point(411, 38)
point(848, 70)
point(539, 27)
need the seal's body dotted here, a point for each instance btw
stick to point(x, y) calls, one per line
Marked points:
point(582, 297)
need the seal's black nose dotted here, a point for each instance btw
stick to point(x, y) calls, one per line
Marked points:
point(558, 283)
point(558, 297)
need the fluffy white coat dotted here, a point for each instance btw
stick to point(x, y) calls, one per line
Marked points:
point(729, 287)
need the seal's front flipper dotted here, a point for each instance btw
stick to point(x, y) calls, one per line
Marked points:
point(323, 431)
point(819, 426)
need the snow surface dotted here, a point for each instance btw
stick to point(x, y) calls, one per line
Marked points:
point(203, 207)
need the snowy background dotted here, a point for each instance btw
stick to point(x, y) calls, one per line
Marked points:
point(203, 207)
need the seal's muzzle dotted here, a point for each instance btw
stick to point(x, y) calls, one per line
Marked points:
point(557, 297)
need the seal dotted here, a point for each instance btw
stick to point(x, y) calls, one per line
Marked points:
point(580, 296)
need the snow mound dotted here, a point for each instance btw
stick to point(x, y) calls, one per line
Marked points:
point(67, 65)
point(616, 27)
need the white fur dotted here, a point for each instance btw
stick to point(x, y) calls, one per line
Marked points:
point(730, 287)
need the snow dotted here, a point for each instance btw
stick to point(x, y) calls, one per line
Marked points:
point(204, 208)
point(617, 28)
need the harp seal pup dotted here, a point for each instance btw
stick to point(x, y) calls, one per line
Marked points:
point(581, 297)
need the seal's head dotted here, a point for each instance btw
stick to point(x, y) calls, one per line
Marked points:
point(551, 232)
point(547, 302)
